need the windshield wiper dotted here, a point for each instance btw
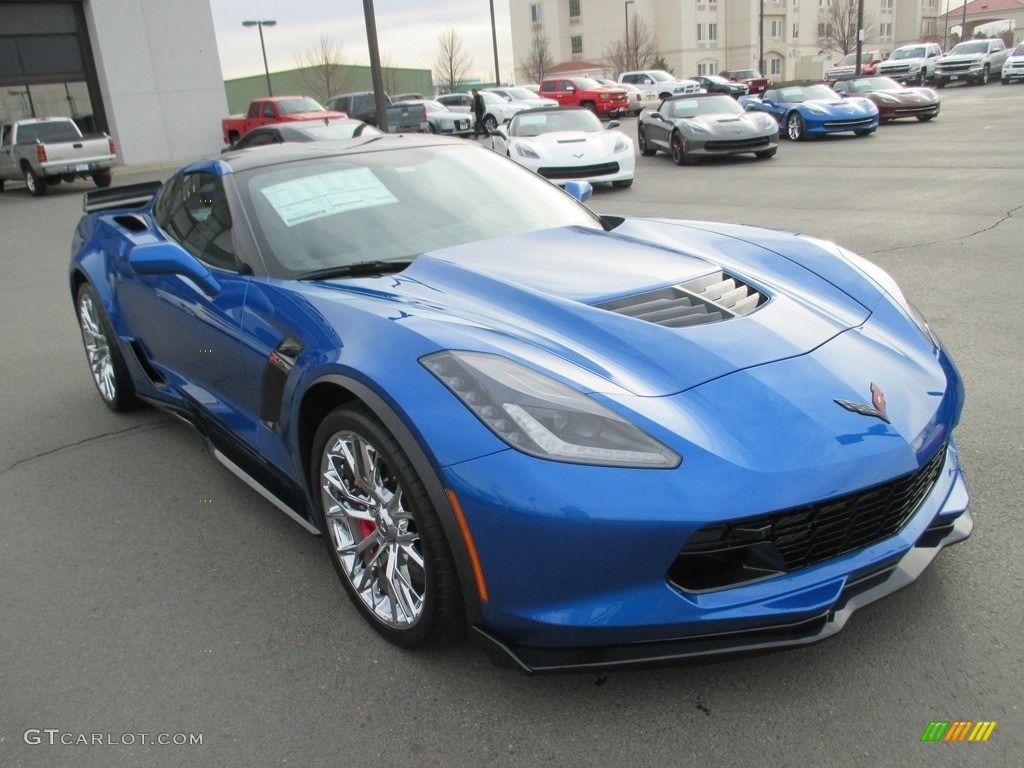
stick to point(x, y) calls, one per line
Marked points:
point(359, 269)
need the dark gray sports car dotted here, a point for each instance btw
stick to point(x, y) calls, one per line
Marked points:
point(697, 125)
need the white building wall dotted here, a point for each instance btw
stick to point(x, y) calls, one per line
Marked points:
point(160, 77)
point(675, 23)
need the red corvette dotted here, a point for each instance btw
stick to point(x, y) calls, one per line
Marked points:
point(892, 99)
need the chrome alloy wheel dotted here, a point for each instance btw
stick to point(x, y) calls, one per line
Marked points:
point(372, 531)
point(97, 348)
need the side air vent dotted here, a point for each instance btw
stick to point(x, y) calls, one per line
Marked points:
point(707, 299)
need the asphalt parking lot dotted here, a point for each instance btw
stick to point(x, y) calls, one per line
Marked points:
point(147, 592)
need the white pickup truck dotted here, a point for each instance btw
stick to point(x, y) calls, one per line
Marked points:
point(47, 150)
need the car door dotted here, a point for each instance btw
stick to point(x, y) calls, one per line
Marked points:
point(191, 332)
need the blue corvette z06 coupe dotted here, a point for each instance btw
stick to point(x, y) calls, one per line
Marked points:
point(814, 110)
point(586, 441)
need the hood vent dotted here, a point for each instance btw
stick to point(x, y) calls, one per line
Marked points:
point(707, 299)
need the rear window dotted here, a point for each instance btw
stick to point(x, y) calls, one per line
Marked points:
point(58, 130)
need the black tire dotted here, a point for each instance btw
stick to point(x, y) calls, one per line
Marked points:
point(490, 124)
point(233, 138)
point(347, 437)
point(106, 363)
point(102, 178)
point(641, 139)
point(984, 77)
point(678, 149)
point(795, 127)
point(623, 184)
point(1, 185)
point(940, 83)
point(764, 154)
point(1005, 81)
point(36, 184)
point(589, 105)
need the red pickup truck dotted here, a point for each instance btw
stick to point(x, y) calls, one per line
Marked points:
point(603, 100)
point(275, 109)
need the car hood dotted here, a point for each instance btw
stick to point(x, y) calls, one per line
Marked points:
point(724, 125)
point(568, 144)
point(538, 293)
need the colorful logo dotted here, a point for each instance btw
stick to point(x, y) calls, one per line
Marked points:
point(958, 730)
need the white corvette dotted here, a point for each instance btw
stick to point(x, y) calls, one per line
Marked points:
point(566, 144)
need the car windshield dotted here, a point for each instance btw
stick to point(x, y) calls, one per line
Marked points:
point(706, 105)
point(429, 104)
point(1018, 51)
point(520, 93)
point(527, 124)
point(746, 74)
point(868, 84)
point(586, 84)
point(908, 53)
point(492, 98)
point(715, 79)
point(343, 130)
point(848, 59)
point(797, 95)
point(973, 46)
point(294, 106)
point(384, 205)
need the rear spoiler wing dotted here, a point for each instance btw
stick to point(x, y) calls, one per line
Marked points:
point(128, 196)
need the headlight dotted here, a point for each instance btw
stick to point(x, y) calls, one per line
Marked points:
point(524, 151)
point(620, 145)
point(916, 67)
point(886, 97)
point(815, 108)
point(542, 417)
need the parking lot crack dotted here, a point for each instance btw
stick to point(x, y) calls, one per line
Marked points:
point(117, 433)
point(1009, 215)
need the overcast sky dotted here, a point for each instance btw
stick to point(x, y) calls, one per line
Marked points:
point(407, 32)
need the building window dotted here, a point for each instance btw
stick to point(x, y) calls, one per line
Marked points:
point(712, 31)
point(577, 45)
point(700, 32)
point(574, 9)
point(885, 30)
point(707, 68)
point(535, 13)
point(887, 5)
point(796, 31)
point(775, 66)
point(776, 28)
point(929, 27)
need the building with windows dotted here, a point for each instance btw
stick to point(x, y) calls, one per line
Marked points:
point(145, 71)
point(707, 36)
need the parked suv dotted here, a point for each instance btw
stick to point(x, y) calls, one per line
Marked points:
point(661, 81)
point(869, 63)
point(911, 64)
point(973, 61)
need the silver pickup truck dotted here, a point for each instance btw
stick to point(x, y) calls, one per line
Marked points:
point(47, 150)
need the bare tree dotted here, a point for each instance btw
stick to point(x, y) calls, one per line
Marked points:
point(322, 69)
point(839, 28)
point(538, 60)
point(636, 49)
point(452, 62)
point(389, 75)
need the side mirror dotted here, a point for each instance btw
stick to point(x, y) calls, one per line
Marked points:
point(500, 133)
point(580, 190)
point(172, 259)
point(612, 124)
point(842, 94)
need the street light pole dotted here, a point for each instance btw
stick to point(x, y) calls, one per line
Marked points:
point(494, 45)
point(376, 74)
point(263, 47)
point(625, 9)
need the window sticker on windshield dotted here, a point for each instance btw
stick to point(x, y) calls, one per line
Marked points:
point(327, 194)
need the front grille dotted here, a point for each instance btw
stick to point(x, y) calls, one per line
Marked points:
point(738, 145)
point(803, 536)
point(894, 71)
point(954, 69)
point(849, 125)
point(579, 171)
point(911, 111)
point(707, 299)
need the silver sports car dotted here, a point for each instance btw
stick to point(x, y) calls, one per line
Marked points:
point(698, 125)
